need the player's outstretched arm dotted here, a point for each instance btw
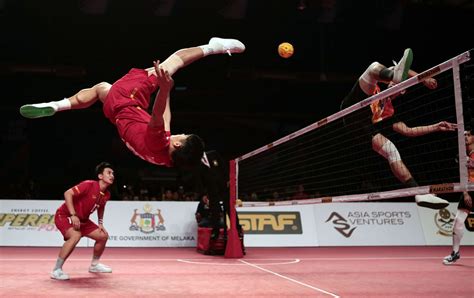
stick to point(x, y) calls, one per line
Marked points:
point(417, 131)
point(161, 114)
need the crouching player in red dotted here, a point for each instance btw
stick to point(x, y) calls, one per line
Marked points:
point(72, 219)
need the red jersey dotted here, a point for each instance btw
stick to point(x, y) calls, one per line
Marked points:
point(86, 199)
point(382, 108)
point(126, 105)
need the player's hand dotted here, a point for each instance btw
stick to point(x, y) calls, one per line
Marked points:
point(164, 79)
point(156, 65)
point(430, 83)
point(467, 200)
point(446, 126)
point(76, 223)
point(470, 163)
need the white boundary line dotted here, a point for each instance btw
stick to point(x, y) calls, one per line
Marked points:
point(378, 258)
point(192, 261)
point(290, 279)
point(216, 263)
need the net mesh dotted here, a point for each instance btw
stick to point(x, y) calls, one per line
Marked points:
point(334, 157)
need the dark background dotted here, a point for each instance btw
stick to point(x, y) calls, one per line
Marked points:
point(52, 49)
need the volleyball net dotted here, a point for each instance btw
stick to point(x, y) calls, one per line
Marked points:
point(333, 160)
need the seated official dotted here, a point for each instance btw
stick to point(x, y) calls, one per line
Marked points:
point(203, 212)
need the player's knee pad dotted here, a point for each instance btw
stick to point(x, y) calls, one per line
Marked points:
point(390, 152)
point(458, 228)
point(368, 81)
point(172, 64)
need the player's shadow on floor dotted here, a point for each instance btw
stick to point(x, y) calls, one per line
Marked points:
point(460, 265)
point(95, 280)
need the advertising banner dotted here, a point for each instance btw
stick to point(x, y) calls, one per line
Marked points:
point(30, 223)
point(129, 224)
point(172, 224)
point(438, 226)
point(278, 226)
point(359, 224)
point(151, 224)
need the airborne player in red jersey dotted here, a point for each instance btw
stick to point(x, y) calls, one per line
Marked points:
point(126, 102)
point(72, 219)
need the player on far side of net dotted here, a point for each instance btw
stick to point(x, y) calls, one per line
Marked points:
point(465, 203)
point(125, 104)
point(382, 110)
point(72, 219)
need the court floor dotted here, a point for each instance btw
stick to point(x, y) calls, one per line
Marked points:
point(263, 272)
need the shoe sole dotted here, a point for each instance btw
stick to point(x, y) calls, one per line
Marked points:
point(94, 271)
point(436, 206)
point(32, 112)
point(408, 62)
point(52, 277)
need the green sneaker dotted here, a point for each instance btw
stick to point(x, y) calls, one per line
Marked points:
point(37, 110)
point(400, 72)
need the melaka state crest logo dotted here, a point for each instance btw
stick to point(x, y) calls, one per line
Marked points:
point(147, 222)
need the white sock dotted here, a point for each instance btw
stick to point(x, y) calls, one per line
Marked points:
point(63, 104)
point(458, 229)
point(207, 50)
point(59, 264)
point(59, 105)
point(95, 260)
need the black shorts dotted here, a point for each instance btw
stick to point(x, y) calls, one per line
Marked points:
point(356, 95)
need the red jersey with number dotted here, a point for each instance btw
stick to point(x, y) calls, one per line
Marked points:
point(86, 199)
point(126, 105)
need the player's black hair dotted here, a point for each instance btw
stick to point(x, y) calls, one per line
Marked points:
point(190, 153)
point(99, 169)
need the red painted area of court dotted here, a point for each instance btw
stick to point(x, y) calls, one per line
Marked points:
point(263, 272)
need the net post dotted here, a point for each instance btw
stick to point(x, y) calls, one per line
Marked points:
point(463, 174)
point(233, 247)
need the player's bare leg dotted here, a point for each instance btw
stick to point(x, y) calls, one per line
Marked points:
point(100, 238)
point(184, 57)
point(73, 238)
point(81, 100)
point(387, 149)
point(458, 232)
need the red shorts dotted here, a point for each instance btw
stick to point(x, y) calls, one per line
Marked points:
point(126, 107)
point(132, 90)
point(64, 223)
